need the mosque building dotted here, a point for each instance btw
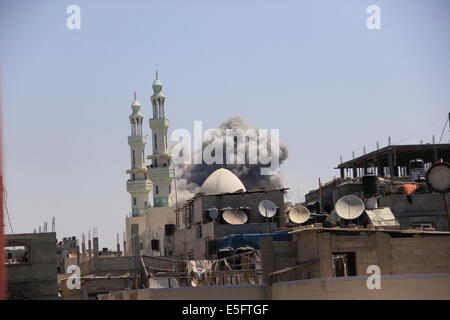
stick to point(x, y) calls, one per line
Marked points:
point(148, 220)
point(163, 231)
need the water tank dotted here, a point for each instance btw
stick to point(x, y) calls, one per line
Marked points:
point(417, 169)
point(370, 185)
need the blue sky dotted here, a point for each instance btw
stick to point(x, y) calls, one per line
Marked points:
point(310, 68)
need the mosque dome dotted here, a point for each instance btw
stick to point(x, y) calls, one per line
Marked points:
point(136, 106)
point(222, 181)
point(157, 84)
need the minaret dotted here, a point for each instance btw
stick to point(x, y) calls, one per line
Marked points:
point(139, 186)
point(161, 171)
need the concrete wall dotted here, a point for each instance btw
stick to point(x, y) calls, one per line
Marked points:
point(90, 288)
point(417, 286)
point(236, 292)
point(399, 287)
point(36, 280)
point(142, 223)
point(425, 208)
point(108, 265)
point(420, 254)
point(416, 253)
point(157, 218)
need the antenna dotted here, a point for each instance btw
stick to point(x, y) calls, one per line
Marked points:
point(234, 216)
point(267, 208)
point(349, 207)
point(299, 214)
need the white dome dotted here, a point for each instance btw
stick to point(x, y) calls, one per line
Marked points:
point(222, 181)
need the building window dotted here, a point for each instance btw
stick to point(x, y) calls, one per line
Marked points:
point(344, 264)
point(156, 189)
point(156, 144)
point(198, 230)
point(170, 188)
point(134, 201)
point(134, 158)
point(134, 176)
point(17, 254)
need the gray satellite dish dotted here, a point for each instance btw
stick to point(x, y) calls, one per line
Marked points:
point(349, 207)
point(299, 214)
point(438, 177)
point(213, 213)
point(234, 216)
point(267, 208)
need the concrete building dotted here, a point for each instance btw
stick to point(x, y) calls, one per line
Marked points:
point(33, 276)
point(333, 263)
point(222, 191)
point(396, 175)
point(65, 248)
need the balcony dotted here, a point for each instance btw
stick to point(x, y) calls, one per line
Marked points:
point(137, 140)
point(139, 186)
point(160, 173)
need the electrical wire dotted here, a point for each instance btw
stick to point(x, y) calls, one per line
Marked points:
point(6, 207)
point(443, 130)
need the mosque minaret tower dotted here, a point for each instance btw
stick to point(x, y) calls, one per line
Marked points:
point(161, 171)
point(138, 184)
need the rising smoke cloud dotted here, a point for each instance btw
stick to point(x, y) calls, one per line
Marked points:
point(190, 177)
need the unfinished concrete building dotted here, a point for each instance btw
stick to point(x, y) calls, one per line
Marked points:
point(32, 274)
point(401, 171)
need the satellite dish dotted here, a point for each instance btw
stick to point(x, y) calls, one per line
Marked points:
point(234, 216)
point(349, 207)
point(267, 208)
point(299, 214)
point(213, 213)
point(438, 177)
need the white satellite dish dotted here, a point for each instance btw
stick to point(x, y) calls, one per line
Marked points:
point(349, 207)
point(267, 208)
point(299, 214)
point(213, 213)
point(438, 177)
point(234, 216)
